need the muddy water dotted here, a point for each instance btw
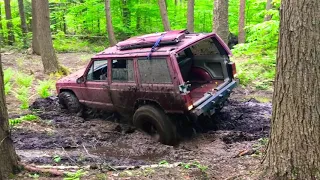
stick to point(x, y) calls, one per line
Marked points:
point(90, 141)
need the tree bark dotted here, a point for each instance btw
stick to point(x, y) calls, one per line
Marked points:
point(35, 42)
point(1, 30)
point(220, 19)
point(7, 7)
point(164, 14)
point(242, 14)
point(24, 27)
point(8, 157)
point(190, 17)
point(268, 7)
point(48, 55)
point(294, 146)
point(126, 15)
point(111, 36)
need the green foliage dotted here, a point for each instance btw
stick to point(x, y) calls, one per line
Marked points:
point(45, 88)
point(22, 94)
point(24, 80)
point(194, 164)
point(74, 44)
point(34, 176)
point(56, 158)
point(7, 76)
point(163, 162)
point(16, 121)
point(75, 176)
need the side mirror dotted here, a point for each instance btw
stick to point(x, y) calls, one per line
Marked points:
point(80, 80)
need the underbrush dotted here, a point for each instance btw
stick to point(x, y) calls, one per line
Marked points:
point(257, 57)
point(22, 86)
point(28, 117)
point(61, 43)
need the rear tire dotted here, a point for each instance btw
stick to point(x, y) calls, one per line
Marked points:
point(69, 101)
point(155, 122)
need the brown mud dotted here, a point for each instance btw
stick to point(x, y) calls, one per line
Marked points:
point(81, 141)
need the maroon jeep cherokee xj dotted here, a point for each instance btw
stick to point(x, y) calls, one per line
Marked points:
point(153, 77)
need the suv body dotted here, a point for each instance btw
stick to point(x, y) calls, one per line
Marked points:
point(182, 73)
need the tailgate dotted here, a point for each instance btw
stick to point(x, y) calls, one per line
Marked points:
point(210, 102)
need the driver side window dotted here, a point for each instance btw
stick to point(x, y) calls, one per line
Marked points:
point(98, 71)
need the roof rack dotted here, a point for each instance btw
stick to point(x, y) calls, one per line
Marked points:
point(169, 38)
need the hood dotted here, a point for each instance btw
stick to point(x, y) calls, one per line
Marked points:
point(72, 78)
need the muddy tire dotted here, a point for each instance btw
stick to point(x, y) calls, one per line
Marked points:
point(70, 102)
point(156, 123)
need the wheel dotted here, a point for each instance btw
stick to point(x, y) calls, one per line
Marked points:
point(69, 101)
point(156, 123)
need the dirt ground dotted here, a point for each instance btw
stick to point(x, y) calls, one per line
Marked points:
point(231, 149)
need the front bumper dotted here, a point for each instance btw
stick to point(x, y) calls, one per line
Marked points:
point(214, 101)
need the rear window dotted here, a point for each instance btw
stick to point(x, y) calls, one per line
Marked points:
point(154, 71)
point(205, 47)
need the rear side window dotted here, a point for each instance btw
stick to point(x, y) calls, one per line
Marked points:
point(154, 71)
point(122, 70)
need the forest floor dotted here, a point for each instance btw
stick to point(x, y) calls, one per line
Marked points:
point(232, 149)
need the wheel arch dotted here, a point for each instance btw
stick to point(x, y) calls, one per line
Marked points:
point(141, 102)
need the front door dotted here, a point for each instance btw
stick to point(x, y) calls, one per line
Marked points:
point(96, 87)
point(123, 85)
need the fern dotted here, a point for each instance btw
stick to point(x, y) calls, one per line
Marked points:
point(45, 88)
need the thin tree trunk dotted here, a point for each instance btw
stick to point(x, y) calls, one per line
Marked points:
point(1, 30)
point(164, 14)
point(48, 55)
point(190, 17)
point(294, 146)
point(8, 157)
point(7, 7)
point(24, 27)
point(126, 18)
point(111, 36)
point(268, 7)
point(242, 14)
point(220, 19)
point(35, 42)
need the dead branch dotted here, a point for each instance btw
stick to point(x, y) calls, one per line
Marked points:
point(121, 168)
point(35, 169)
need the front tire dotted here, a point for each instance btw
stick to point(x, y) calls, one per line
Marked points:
point(69, 101)
point(155, 122)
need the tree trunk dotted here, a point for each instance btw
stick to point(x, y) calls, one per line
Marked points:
point(35, 42)
point(242, 14)
point(220, 19)
point(268, 7)
point(8, 157)
point(294, 146)
point(164, 14)
point(1, 30)
point(111, 36)
point(48, 55)
point(9, 22)
point(126, 18)
point(24, 27)
point(190, 18)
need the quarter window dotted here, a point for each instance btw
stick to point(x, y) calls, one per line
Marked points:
point(154, 71)
point(122, 70)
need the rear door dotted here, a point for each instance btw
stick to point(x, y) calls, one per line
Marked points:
point(157, 83)
point(95, 89)
point(123, 85)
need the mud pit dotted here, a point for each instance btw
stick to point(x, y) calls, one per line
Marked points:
point(90, 141)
